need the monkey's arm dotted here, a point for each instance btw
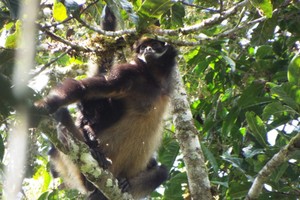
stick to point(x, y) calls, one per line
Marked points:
point(71, 91)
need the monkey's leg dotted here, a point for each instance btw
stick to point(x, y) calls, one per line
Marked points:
point(62, 166)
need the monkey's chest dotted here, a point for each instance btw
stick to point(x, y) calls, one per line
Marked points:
point(132, 141)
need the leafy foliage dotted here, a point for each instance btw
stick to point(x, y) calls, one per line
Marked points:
point(242, 81)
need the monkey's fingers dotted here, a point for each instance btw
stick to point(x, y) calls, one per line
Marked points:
point(102, 160)
point(123, 184)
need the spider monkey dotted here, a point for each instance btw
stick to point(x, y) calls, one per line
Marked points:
point(120, 117)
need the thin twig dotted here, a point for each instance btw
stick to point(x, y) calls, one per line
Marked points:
point(106, 33)
point(51, 62)
point(64, 41)
point(235, 29)
point(197, 6)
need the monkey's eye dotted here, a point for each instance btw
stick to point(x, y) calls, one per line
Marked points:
point(156, 45)
point(143, 47)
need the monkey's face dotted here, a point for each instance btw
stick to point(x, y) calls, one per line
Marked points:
point(151, 50)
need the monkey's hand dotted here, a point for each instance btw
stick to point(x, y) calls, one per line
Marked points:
point(45, 107)
point(102, 160)
point(123, 184)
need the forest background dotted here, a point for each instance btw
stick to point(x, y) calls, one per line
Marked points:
point(240, 68)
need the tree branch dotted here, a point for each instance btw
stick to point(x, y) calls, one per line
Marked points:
point(158, 33)
point(80, 154)
point(282, 156)
point(64, 41)
point(183, 2)
point(106, 33)
point(51, 62)
point(187, 137)
point(102, 179)
point(215, 19)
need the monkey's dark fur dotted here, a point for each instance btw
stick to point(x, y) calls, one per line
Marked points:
point(120, 117)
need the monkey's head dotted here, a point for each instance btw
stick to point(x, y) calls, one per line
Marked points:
point(149, 50)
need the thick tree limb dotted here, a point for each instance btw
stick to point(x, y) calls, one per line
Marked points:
point(187, 137)
point(282, 156)
point(80, 154)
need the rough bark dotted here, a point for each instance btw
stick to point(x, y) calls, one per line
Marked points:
point(187, 137)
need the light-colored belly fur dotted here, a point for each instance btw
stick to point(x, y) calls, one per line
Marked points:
point(135, 138)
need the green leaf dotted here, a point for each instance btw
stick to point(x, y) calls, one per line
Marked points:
point(293, 74)
point(272, 109)
point(168, 151)
point(44, 196)
point(276, 109)
point(257, 127)
point(238, 189)
point(250, 95)
point(280, 171)
point(53, 195)
point(251, 152)
point(152, 10)
point(264, 51)
point(230, 62)
point(288, 93)
point(59, 11)
point(11, 40)
point(265, 6)
point(264, 31)
point(174, 17)
point(210, 157)
point(230, 120)
point(177, 15)
point(155, 8)
point(174, 187)
point(235, 161)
